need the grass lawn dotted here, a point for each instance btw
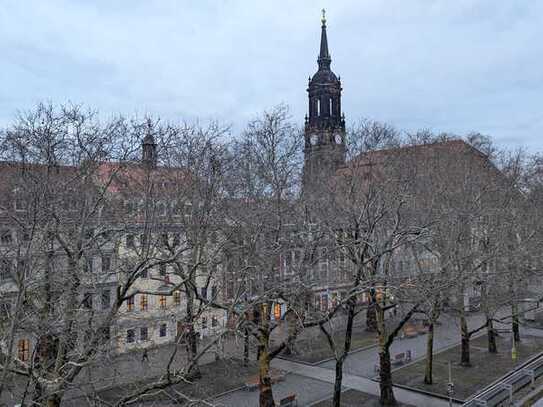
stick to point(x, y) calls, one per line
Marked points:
point(316, 348)
point(486, 367)
point(354, 398)
point(217, 378)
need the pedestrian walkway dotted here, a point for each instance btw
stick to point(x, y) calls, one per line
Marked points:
point(358, 383)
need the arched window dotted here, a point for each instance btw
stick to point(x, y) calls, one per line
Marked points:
point(23, 350)
point(331, 111)
point(318, 107)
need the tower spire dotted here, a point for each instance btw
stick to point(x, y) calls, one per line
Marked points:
point(324, 59)
point(324, 133)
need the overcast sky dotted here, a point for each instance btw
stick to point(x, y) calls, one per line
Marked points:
point(446, 65)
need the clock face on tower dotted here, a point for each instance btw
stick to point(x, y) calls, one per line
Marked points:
point(338, 138)
point(313, 139)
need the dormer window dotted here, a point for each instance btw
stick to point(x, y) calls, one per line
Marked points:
point(19, 203)
point(6, 236)
point(5, 269)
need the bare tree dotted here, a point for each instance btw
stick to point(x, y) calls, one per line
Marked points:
point(263, 192)
point(94, 227)
point(363, 215)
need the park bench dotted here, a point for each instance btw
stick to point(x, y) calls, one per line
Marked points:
point(535, 368)
point(398, 359)
point(289, 401)
point(253, 381)
point(409, 331)
point(518, 381)
point(492, 398)
point(401, 358)
point(503, 393)
point(421, 330)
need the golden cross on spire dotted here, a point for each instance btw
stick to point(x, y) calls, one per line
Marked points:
point(323, 19)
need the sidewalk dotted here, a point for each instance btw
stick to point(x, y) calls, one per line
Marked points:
point(358, 383)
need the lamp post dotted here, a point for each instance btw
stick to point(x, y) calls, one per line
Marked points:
point(514, 351)
point(450, 385)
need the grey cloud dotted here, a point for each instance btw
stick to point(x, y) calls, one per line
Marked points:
point(450, 66)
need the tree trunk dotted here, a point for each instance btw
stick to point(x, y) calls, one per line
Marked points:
point(336, 402)
point(346, 349)
point(192, 338)
point(429, 354)
point(465, 357)
point(491, 333)
point(265, 386)
point(292, 332)
point(516, 324)
point(371, 317)
point(385, 369)
point(385, 376)
point(246, 347)
point(53, 401)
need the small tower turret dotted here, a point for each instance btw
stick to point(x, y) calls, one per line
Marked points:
point(149, 155)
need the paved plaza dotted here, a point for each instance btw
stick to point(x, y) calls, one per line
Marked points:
point(310, 383)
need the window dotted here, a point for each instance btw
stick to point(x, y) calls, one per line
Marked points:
point(19, 202)
point(129, 206)
point(22, 267)
point(89, 265)
point(177, 298)
point(204, 323)
point(87, 300)
point(144, 333)
point(5, 236)
point(188, 211)
point(213, 292)
point(277, 311)
point(5, 309)
point(106, 299)
point(106, 264)
point(130, 336)
point(143, 240)
point(204, 292)
point(165, 240)
point(331, 107)
point(130, 303)
point(5, 269)
point(130, 241)
point(143, 302)
point(89, 233)
point(181, 329)
point(230, 288)
point(163, 330)
point(324, 302)
point(161, 209)
point(162, 301)
point(176, 240)
point(213, 237)
point(23, 350)
point(214, 322)
point(105, 334)
point(318, 107)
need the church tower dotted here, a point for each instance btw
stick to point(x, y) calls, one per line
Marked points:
point(324, 150)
